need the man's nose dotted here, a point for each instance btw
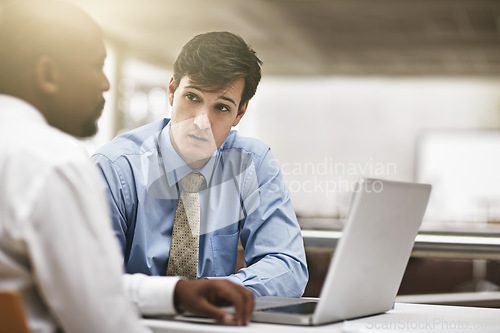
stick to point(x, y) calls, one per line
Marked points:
point(105, 85)
point(201, 120)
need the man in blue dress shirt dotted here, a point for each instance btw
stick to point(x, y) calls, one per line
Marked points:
point(243, 195)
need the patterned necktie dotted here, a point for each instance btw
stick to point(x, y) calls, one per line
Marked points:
point(183, 258)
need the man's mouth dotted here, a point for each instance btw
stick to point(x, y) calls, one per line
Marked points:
point(197, 138)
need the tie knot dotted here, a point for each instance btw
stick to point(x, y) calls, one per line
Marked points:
point(192, 182)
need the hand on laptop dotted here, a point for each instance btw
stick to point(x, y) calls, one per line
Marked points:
point(204, 297)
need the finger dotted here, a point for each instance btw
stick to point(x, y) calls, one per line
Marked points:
point(205, 308)
point(249, 301)
point(244, 307)
point(240, 297)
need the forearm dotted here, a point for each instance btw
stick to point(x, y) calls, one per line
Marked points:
point(275, 275)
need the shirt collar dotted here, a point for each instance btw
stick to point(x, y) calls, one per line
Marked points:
point(14, 108)
point(175, 167)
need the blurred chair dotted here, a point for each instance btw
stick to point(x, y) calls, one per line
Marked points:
point(12, 316)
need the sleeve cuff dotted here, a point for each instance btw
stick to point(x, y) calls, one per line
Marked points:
point(153, 295)
point(231, 278)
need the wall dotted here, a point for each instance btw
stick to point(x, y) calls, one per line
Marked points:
point(328, 132)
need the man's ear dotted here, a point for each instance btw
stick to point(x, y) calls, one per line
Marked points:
point(171, 91)
point(241, 113)
point(47, 74)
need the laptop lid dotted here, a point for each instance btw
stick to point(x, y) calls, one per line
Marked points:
point(370, 259)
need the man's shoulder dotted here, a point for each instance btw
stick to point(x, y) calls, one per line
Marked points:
point(24, 135)
point(235, 141)
point(45, 145)
point(134, 142)
point(41, 151)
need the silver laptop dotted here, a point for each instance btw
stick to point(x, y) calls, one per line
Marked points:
point(369, 261)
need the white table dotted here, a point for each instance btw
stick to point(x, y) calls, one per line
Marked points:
point(404, 318)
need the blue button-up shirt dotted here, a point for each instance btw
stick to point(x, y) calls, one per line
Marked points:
point(244, 197)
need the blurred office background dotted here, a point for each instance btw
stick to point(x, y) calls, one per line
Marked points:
point(350, 89)
point(401, 89)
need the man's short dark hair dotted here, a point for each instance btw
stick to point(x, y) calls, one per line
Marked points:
point(215, 60)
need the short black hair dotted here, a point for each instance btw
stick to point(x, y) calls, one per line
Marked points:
point(216, 60)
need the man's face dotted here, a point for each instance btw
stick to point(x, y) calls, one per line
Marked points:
point(202, 119)
point(83, 82)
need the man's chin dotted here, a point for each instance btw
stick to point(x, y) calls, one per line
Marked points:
point(196, 161)
point(88, 130)
point(194, 154)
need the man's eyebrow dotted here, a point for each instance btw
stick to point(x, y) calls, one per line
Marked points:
point(196, 88)
point(230, 100)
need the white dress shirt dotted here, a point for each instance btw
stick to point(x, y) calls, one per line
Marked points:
point(56, 244)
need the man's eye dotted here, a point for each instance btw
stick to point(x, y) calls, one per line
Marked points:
point(192, 97)
point(223, 108)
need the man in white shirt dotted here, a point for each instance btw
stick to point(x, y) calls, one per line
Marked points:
point(56, 244)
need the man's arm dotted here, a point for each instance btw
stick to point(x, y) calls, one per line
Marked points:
point(271, 236)
point(118, 195)
point(164, 295)
point(75, 257)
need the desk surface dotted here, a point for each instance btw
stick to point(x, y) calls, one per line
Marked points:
point(404, 318)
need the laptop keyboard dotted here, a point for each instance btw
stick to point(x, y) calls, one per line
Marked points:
point(300, 308)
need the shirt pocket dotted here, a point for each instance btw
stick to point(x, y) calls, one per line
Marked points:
point(225, 251)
